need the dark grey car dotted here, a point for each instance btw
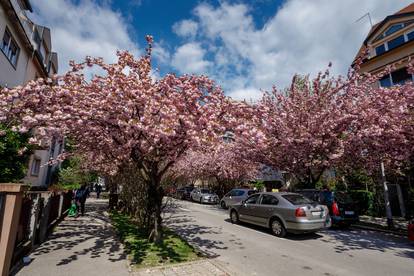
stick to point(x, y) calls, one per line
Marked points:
point(282, 213)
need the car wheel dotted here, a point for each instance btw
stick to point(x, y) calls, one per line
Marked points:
point(277, 228)
point(223, 205)
point(234, 217)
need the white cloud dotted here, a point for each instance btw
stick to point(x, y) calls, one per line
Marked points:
point(302, 37)
point(83, 28)
point(249, 94)
point(189, 58)
point(186, 28)
point(161, 54)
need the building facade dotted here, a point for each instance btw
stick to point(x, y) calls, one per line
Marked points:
point(26, 54)
point(390, 43)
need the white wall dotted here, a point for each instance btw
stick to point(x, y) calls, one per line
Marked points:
point(10, 76)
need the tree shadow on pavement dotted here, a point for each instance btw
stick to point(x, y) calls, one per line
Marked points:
point(188, 229)
point(348, 240)
point(90, 234)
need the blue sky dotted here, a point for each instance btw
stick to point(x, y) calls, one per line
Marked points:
point(246, 46)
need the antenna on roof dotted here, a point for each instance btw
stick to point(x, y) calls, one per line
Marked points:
point(365, 15)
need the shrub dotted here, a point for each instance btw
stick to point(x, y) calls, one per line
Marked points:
point(364, 201)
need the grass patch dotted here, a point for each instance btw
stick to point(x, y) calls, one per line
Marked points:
point(143, 253)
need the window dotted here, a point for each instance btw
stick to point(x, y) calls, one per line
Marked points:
point(393, 29)
point(344, 198)
point(250, 192)
point(269, 200)
point(400, 76)
point(239, 193)
point(205, 191)
point(385, 81)
point(297, 199)
point(252, 199)
point(35, 167)
point(231, 193)
point(395, 42)
point(380, 49)
point(10, 48)
point(410, 36)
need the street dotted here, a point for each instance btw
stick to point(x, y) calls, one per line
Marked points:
point(251, 250)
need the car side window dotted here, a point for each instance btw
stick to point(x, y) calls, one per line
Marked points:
point(252, 199)
point(231, 193)
point(269, 200)
point(239, 193)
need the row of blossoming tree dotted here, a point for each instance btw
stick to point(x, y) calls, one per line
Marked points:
point(140, 131)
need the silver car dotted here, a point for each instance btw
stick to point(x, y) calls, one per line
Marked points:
point(235, 196)
point(204, 196)
point(282, 213)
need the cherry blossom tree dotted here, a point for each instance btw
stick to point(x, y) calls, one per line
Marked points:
point(326, 122)
point(124, 117)
point(226, 163)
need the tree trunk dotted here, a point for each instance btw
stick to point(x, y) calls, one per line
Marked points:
point(386, 198)
point(401, 200)
point(155, 196)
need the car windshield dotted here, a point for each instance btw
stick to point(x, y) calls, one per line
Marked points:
point(342, 197)
point(297, 199)
point(205, 191)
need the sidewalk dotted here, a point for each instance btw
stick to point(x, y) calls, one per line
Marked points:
point(87, 246)
point(380, 224)
point(83, 246)
point(204, 267)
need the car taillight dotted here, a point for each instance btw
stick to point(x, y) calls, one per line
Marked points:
point(300, 212)
point(335, 209)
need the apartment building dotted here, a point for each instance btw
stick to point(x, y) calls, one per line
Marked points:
point(390, 43)
point(26, 54)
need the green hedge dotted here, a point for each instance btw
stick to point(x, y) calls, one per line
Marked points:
point(364, 201)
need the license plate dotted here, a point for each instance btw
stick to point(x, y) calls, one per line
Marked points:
point(316, 214)
point(349, 212)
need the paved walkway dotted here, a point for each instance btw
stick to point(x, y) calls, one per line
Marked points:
point(197, 268)
point(84, 246)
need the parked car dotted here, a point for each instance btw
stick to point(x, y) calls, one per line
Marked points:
point(235, 196)
point(184, 192)
point(281, 213)
point(410, 229)
point(341, 207)
point(204, 196)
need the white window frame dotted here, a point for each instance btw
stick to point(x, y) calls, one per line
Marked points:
point(35, 169)
point(8, 50)
point(385, 43)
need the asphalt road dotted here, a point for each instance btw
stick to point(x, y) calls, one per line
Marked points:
point(251, 250)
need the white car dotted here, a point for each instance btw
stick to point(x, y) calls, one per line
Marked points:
point(204, 196)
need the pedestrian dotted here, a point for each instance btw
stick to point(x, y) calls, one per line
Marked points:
point(98, 189)
point(80, 196)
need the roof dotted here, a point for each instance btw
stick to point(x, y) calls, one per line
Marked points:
point(28, 5)
point(403, 12)
point(409, 8)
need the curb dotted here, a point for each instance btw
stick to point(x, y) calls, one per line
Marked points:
point(372, 228)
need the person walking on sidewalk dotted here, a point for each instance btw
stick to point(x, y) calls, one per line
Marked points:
point(80, 196)
point(98, 189)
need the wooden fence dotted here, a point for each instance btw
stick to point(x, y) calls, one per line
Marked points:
point(37, 214)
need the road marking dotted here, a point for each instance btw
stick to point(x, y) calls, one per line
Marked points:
point(187, 210)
